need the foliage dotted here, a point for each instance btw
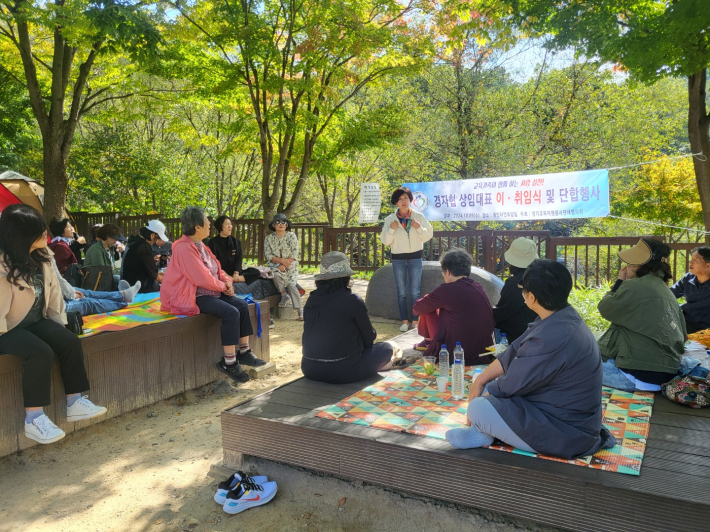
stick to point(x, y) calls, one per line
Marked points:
point(18, 139)
point(585, 301)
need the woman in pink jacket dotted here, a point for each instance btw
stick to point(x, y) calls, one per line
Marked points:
point(194, 283)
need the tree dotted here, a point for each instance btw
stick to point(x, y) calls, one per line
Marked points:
point(651, 39)
point(298, 62)
point(71, 52)
point(18, 137)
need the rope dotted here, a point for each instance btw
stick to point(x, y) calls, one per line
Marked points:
point(698, 156)
point(659, 225)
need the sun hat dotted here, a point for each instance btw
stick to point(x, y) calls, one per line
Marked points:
point(640, 254)
point(521, 253)
point(156, 226)
point(280, 218)
point(334, 265)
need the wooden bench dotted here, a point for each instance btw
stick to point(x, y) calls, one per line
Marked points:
point(128, 370)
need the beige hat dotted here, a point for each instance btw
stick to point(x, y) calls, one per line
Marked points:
point(521, 253)
point(641, 253)
point(334, 265)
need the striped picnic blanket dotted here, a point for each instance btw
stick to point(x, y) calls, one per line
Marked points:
point(143, 311)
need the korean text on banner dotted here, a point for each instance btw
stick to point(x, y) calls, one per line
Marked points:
point(537, 197)
point(370, 202)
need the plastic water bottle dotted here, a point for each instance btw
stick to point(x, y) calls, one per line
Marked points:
point(706, 362)
point(504, 341)
point(444, 361)
point(457, 373)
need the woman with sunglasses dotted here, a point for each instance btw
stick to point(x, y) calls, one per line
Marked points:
point(281, 250)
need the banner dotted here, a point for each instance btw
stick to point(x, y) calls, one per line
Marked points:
point(536, 197)
point(370, 203)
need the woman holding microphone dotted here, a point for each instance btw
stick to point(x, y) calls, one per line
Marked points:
point(405, 231)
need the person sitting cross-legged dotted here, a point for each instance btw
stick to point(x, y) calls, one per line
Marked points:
point(338, 338)
point(544, 394)
point(695, 288)
point(194, 283)
point(32, 320)
point(456, 311)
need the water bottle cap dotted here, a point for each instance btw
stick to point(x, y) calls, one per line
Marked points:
point(458, 343)
point(502, 335)
point(443, 346)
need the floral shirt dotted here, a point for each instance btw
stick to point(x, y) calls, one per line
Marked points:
point(285, 247)
point(212, 266)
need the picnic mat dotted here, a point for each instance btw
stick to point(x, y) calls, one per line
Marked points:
point(140, 312)
point(407, 400)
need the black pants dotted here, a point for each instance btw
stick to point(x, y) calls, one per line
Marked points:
point(352, 369)
point(36, 345)
point(234, 313)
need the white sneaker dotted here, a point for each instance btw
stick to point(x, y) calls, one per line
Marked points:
point(247, 495)
point(272, 323)
point(225, 487)
point(404, 327)
point(84, 409)
point(42, 430)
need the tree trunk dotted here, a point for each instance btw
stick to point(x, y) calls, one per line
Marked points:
point(55, 181)
point(699, 135)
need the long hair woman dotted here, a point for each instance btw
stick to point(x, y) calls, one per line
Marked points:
point(32, 323)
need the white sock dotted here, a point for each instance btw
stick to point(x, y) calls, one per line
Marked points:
point(130, 294)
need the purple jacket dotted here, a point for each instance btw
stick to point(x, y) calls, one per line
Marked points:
point(465, 315)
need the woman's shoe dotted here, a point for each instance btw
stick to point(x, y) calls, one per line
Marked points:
point(42, 430)
point(285, 300)
point(404, 327)
point(300, 314)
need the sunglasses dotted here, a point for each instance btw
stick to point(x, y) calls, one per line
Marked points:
point(280, 223)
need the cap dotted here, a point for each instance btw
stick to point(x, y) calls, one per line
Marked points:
point(157, 227)
point(639, 254)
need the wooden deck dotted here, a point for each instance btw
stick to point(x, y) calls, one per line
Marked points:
point(672, 492)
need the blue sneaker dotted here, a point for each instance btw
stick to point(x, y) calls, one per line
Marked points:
point(248, 494)
point(224, 487)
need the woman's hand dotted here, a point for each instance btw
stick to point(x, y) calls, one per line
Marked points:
point(416, 224)
point(394, 225)
point(81, 240)
point(476, 389)
point(228, 290)
point(78, 295)
point(623, 274)
point(237, 278)
point(282, 268)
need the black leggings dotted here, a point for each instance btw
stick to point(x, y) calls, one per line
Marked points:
point(36, 345)
point(234, 313)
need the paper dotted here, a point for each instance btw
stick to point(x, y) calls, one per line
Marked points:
point(370, 203)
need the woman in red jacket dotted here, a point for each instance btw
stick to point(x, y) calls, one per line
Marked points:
point(195, 283)
point(456, 311)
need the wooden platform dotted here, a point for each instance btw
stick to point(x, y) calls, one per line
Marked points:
point(672, 492)
point(128, 370)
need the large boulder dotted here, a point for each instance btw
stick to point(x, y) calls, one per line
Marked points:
point(381, 297)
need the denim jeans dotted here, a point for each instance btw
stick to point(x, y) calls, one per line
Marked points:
point(407, 269)
point(95, 302)
point(614, 378)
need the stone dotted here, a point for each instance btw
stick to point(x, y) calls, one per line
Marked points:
point(260, 371)
point(284, 313)
point(381, 297)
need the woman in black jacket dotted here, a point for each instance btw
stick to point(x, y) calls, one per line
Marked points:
point(338, 337)
point(511, 314)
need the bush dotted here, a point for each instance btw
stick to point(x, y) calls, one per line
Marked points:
point(585, 301)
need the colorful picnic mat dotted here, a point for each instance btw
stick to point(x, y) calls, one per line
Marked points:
point(407, 400)
point(141, 312)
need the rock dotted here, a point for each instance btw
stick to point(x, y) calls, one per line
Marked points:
point(381, 297)
point(342, 502)
point(153, 414)
point(154, 443)
point(171, 440)
point(261, 371)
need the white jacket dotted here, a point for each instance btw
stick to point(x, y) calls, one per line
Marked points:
point(402, 242)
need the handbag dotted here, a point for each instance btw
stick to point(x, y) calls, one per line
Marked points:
point(98, 279)
point(75, 323)
point(688, 390)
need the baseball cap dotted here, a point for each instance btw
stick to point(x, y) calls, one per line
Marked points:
point(158, 227)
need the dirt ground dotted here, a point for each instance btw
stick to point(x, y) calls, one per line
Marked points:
point(158, 468)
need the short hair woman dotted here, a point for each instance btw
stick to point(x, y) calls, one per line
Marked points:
point(406, 231)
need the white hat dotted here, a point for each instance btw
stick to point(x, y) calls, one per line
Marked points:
point(521, 253)
point(158, 227)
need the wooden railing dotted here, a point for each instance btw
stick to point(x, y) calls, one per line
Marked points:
point(592, 261)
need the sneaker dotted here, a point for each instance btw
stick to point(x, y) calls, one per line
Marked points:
point(285, 300)
point(247, 495)
point(423, 345)
point(84, 409)
point(42, 430)
point(224, 487)
point(272, 323)
point(300, 314)
point(404, 327)
point(250, 359)
point(233, 371)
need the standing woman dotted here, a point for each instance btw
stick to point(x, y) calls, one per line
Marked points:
point(405, 231)
point(32, 322)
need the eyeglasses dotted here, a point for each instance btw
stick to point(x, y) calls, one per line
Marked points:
point(280, 223)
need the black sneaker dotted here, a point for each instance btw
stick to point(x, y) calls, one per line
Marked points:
point(233, 371)
point(250, 359)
